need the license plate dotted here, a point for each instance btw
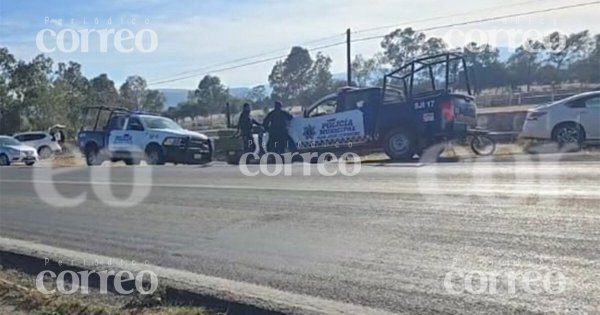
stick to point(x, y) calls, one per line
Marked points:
point(197, 156)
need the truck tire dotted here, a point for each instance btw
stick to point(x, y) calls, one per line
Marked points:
point(154, 155)
point(92, 156)
point(400, 144)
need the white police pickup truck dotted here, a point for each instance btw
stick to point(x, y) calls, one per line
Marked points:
point(116, 134)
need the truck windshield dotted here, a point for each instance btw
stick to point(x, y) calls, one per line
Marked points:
point(159, 123)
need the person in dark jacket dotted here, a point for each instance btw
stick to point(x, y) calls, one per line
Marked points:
point(245, 124)
point(275, 124)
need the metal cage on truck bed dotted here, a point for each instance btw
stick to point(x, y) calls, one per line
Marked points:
point(426, 75)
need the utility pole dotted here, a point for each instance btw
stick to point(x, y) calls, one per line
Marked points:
point(228, 114)
point(349, 58)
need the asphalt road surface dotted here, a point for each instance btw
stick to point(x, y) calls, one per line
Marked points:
point(386, 238)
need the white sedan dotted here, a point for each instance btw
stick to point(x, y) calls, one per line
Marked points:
point(13, 151)
point(570, 122)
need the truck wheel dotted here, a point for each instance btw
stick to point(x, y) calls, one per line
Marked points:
point(154, 155)
point(400, 144)
point(92, 157)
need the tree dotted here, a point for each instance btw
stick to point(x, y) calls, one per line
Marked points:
point(208, 98)
point(402, 45)
point(298, 79)
point(369, 72)
point(211, 94)
point(103, 91)
point(154, 101)
point(75, 88)
point(484, 65)
point(547, 74)
point(562, 49)
point(30, 86)
point(523, 64)
point(291, 78)
point(9, 111)
point(135, 95)
point(133, 92)
point(258, 97)
point(36, 95)
point(321, 79)
point(587, 70)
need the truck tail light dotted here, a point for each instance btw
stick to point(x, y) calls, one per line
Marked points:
point(535, 115)
point(447, 110)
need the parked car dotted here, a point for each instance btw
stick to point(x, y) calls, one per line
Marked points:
point(13, 151)
point(570, 122)
point(45, 143)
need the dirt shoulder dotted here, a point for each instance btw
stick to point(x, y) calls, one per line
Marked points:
point(18, 295)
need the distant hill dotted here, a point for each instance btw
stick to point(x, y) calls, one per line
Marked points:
point(239, 91)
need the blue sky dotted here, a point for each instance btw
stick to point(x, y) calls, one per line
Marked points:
point(196, 34)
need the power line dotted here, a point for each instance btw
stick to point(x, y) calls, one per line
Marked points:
point(381, 35)
point(251, 57)
point(444, 17)
point(335, 36)
point(246, 64)
point(489, 19)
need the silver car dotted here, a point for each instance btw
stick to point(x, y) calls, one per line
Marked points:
point(13, 151)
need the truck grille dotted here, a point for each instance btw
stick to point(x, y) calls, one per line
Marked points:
point(199, 143)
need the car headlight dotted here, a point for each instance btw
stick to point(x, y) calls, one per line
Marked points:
point(172, 141)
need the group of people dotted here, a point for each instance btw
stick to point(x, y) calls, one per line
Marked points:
point(275, 123)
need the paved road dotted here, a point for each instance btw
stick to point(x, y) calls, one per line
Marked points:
point(386, 238)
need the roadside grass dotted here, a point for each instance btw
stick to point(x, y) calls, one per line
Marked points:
point(18, 292)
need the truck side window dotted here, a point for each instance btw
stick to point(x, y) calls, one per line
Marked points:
point(135, 124)
point(353, 101)
point(326, 107)
point(90, 120)
point(116, 122)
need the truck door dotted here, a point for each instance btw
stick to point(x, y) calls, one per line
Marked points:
point(365, 100)
point(128, 139)
point(329, 123)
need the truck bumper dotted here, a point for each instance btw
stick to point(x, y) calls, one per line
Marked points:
point(189, 154)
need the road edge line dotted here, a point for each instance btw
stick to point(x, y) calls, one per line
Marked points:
point(248, 294)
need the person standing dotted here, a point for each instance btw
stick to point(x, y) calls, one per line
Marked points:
point(245, 124)
point(275, 124)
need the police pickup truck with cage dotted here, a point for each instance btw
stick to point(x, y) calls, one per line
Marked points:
point(424, 103)
point(117, 134)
